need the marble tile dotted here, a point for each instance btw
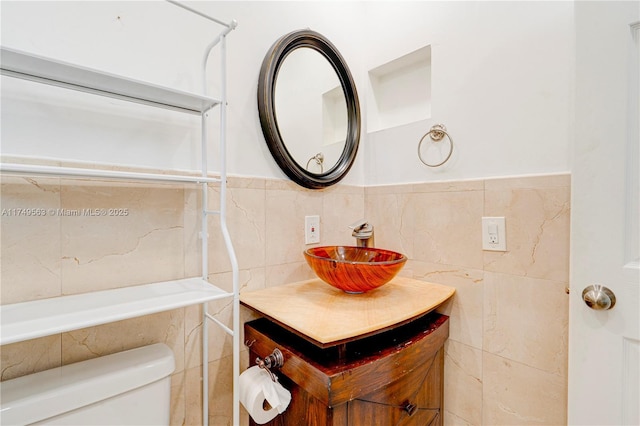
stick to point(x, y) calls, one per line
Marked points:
point(193, 397)
point(450, 419)
point(178, 385)
point(494, 291)
point(256, 280)
point(220, 392)
point(220, 343)
point(285, 212)
point(29, 229)
point(393, 217)
point(288, 273)
point(246, 182)
point(466, 305)
point(285, 185)
point(20, 159)
point(527, 320)
point(344, 189)
point(192, 222)
point(164, 327)
point(537, 228)
point(387, 189)
point(339, 209)
point(144, 244)
point(562, 180)
point(448, 228)
point(246, 223)
point(449, 186)
point(193, 317)
point(462, 384)
point(516, 394)
point(30, 356)
point(520, 378)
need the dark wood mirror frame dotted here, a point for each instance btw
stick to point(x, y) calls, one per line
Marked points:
point(268, 120)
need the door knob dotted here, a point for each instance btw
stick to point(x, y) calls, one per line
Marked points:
point(598, 297)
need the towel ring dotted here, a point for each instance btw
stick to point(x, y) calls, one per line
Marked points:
point(437, 133)
point(319, 158)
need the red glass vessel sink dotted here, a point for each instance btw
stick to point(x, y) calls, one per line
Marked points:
point(354, 269)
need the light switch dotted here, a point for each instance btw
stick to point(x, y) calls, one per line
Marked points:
point(311, 229)
point(494, 236)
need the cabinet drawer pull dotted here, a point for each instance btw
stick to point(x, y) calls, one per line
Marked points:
point(410, 408)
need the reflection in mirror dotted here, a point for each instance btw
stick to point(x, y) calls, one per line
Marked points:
point(311, 110)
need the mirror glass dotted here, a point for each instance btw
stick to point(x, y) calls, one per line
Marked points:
point(311, 110)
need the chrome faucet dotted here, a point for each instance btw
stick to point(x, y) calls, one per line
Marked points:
point(363, 232)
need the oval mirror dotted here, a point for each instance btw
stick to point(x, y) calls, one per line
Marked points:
point(309, 110)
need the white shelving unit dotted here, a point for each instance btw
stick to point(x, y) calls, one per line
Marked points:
point(63, 74)
point(38, 318)
point(31, 170)
point(44, 317)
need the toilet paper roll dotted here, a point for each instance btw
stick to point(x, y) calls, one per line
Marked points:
point(256, 386)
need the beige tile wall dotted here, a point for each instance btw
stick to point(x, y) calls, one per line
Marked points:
point(506, 357)
point(506, 360)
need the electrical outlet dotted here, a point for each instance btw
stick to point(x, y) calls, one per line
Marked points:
point(494, 237)
point(311, 229)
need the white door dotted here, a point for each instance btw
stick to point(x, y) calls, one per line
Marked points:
point(604, 345)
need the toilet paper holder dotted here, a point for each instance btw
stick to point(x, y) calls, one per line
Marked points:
point(275, 360)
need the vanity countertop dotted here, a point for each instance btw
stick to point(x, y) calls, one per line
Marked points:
point(327, 316)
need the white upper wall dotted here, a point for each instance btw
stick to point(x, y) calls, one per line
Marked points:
point(501, 84)
point(501, 81)
point(155, 42)
point(261, 23)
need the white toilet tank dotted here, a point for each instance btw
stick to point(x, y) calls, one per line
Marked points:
point(127, 388)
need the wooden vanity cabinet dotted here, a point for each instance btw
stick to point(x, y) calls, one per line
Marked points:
point(391, 378)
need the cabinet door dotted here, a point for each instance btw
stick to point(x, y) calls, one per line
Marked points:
point(414, 400)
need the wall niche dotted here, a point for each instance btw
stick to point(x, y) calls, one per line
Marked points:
point(400, 91)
